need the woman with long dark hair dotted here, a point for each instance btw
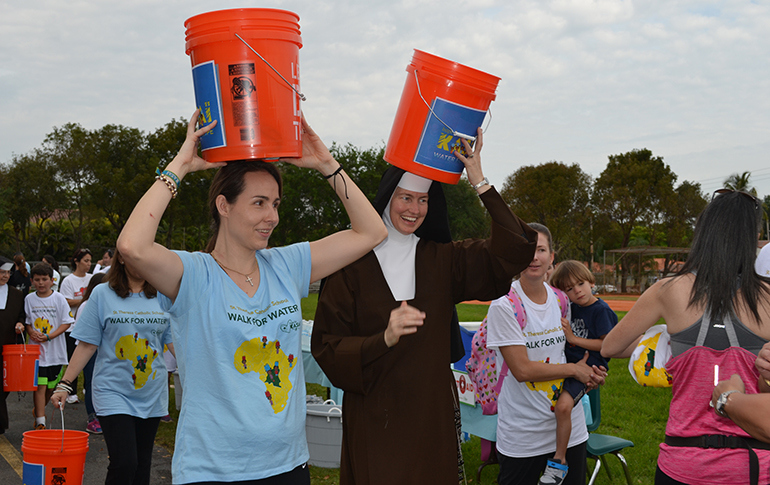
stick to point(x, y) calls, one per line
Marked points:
point(124, 322)
point(717, 311)
point(236, 311)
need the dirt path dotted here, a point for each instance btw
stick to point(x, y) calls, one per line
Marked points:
point(616, 305)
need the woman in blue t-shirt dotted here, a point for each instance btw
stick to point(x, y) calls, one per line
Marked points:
point(125, 323)
point(236, 311)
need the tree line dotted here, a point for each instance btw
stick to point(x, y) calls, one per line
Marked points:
point(79, 187)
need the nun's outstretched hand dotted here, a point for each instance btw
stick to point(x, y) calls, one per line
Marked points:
point(404, 320)
point(472, 162)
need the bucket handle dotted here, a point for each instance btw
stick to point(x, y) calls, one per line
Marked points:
point(301, 96)
point(469, 138)
point(329, 412)
point(61, 410)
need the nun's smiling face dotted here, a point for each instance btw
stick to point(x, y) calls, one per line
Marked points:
point(408, 210)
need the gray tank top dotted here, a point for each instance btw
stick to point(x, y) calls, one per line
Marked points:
point(717, 335)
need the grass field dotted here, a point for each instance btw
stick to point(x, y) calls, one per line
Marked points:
point(629, 411)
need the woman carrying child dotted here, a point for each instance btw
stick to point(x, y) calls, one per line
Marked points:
point(535, 356)
point(236, 310)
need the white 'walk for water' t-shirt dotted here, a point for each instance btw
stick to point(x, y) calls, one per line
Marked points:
point(526, 424)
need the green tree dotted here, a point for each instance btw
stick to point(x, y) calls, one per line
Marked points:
point(634, 189)
point(556, 195)
point(32, 197)
point(467, 216)
point(70, 149)
point(309, 209)
point(121, 172)
point(740, 182)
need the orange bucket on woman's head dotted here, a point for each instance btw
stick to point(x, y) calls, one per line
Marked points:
point(254, 97)
point(442, 102)
point(20, 366)
point(54, 456)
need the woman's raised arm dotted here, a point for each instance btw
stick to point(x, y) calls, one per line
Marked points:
point(136, 243)
point(367, 230)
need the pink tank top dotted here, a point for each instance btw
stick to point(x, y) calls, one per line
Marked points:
point(690, 415)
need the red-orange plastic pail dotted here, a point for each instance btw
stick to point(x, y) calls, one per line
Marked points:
point(20, 365)
point(255, 100)
point(422, 141)
point(54, 456)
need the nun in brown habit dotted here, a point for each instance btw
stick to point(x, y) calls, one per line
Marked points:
point(384, 327)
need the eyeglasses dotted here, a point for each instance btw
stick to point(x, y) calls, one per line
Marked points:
point(730, 191)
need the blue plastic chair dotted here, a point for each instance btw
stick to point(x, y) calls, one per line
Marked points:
point(599, 445)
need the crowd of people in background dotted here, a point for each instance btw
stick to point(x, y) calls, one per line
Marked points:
point(386, 310)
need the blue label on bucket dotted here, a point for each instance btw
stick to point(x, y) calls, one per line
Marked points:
point(33, 474)
point(438, 142)
point(37, 371)
point(208, 98)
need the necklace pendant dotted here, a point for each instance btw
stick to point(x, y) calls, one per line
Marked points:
point(248, 278)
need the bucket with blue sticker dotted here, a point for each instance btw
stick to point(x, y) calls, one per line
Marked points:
point(442, 102)
point(245, 66)
point(54, 456)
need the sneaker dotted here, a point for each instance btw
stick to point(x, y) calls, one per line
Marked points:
point(39, 426)
point(94, 427)
point(166, 418)
point(554, 473)
point(72, 399)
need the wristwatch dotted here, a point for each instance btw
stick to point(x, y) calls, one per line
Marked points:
point(721, 401)
point(484, 181)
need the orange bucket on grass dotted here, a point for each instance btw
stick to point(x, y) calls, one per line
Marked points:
point(254, 96)
point(20, 365)
point(54, 456)
point(422, 139)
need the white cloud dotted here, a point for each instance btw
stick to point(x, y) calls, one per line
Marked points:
point(581, 79)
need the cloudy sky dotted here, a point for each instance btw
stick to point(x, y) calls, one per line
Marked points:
point(581, 79)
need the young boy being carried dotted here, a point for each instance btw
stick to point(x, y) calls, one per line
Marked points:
point(48, 316)
point(592, 320)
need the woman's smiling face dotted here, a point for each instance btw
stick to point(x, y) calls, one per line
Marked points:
point(408, 210)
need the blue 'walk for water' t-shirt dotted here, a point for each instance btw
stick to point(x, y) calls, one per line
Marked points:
point(130, 375)
point(239, 358)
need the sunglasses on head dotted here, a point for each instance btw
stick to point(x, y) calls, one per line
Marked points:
point(730, 191)
point(81, 252)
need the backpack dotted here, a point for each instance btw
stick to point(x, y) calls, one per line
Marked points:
point(481, 365)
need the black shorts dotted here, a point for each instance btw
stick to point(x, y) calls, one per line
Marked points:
point(49, 376)
point(574, 388)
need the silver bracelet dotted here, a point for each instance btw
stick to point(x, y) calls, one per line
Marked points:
point(484, 181)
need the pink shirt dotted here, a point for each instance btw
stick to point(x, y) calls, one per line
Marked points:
point(691, 415)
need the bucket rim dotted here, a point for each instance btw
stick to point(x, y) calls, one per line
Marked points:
point(235, 11)
point(453, 69)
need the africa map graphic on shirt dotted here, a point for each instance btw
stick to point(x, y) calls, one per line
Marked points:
point(42, 325)
point(551, 388)
point(137, 351)
point(271, 364)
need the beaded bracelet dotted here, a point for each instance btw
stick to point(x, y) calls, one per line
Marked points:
point(169, 183)
point(169, 174)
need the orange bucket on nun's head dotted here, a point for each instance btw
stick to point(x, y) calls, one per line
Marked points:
point(54, 456)
point(442, 102)
point(20, 366)
point(245, 65)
